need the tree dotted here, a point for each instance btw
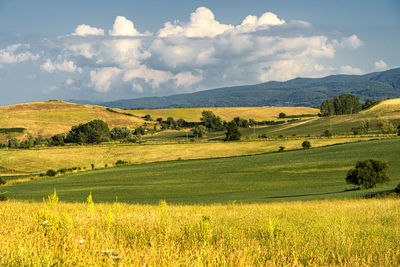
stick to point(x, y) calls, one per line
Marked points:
point(57, 140)
point(13, 143)
point(306, 144)
point(368, 173)
point(139, 131)
point(199, 131)
point(232, 132)
point(282, 115)
point(148, 117)
point(121, 133)
point(368, 103)
point(398, 130)
point(340, 105)
point(385, 126)
point(211, 121)
point(93, 132)
point(327, 133)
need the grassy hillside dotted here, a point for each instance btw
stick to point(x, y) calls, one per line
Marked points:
point(194, 114)
point(52, 117)
point(296, 175)
point(323, 233)
point(340, 125)
point(38, 160)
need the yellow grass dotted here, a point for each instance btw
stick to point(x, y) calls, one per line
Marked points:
point(317, 233)
point(52, 117)
point(40, 160)
point(194, 114)
point(388, 105)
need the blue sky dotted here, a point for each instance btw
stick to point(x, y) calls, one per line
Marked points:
point(107, 50)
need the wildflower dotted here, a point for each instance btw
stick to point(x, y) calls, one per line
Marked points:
point(107, 251)
point(81, 241)
point(45, 222)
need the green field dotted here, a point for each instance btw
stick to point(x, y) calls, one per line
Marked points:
point(295, 175)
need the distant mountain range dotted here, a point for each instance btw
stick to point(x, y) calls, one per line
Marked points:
point(297, 92)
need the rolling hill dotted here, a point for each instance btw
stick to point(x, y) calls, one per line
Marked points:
point(53, 117)
point(297, 92)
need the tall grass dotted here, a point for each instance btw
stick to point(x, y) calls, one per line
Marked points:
point(341, 233)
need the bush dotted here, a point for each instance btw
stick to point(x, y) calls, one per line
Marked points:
point(281, 148)
point(368, 173)
point(282, 115)
point(3, 197)
point(121, 162)
point(199, 131)
point(51, 172)
point(232, 132)
point(327, 133)
point(397, 189)
point(306, 144)
point(2, 181)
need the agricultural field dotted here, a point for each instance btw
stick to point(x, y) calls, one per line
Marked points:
point(317, 173)
point(314, 233)
point(194, 114)
point(14, 162)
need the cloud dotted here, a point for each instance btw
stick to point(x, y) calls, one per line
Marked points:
point(350, 70)
point(202, 24)
point(101, 78)
point(65, 65)
point(84, 30)
point(124, 27)
point(16, 53)
point(185, 56)
point(380, 65)
point(349, 42)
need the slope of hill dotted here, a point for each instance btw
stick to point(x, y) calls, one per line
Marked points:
point(52, 117)
point(296, 92)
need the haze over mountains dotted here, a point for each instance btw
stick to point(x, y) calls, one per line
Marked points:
point(297, 92)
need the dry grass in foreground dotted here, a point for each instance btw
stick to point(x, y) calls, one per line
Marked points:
point(340, 232)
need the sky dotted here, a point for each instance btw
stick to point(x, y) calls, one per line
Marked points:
point(108, 50)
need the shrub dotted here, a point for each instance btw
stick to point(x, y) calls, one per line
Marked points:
point(51, 172)
point(2, 181)
point(367, 173)
point(120, 162)
point(92, 165)
point(327, 133)
point(282, 115)
point(397, 189)
point(281, 148)
point(232, 132)
point(3, 197)
point(306, 144)
point(199, 131)
point(148, 117)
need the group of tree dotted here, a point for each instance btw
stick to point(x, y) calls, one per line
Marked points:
point(340, 105)
point(93, 132)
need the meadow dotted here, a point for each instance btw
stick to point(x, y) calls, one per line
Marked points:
point(315, 233)
point(15, 162)
point(317, 173)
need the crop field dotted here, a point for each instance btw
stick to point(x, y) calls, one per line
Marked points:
point(315, 233)
point(53, 117)
point(39, 160)
point(194, 114)
point(294, 175)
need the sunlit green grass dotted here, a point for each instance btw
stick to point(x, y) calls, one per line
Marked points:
point(296, 175)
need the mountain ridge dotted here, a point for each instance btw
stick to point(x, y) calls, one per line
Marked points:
point(295, 92)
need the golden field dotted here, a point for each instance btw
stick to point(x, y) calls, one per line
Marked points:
point(314, 233)
point(194, 114)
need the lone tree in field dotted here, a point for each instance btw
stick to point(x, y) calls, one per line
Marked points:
point(306, 144)
point(368, 173)
point(282, 115)
point(199, 131)
point(232, 132)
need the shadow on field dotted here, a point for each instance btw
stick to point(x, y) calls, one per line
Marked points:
point(306, 195)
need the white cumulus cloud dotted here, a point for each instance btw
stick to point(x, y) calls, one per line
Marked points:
point(349, 42)
point(16, 53)
point(124, 27)
point(350, 70)
point(380, 65)
point(65, 65)
point(101, 78)
point(84, 30)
